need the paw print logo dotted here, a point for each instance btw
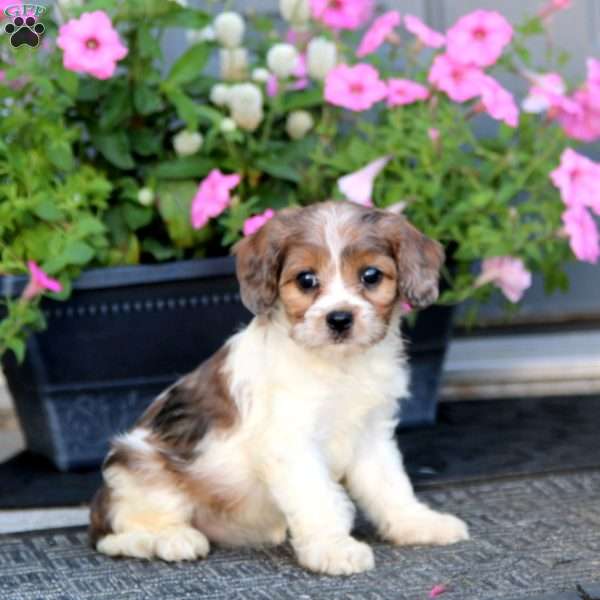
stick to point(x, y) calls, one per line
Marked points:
point(24, 31)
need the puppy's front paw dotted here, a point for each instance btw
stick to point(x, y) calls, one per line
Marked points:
point(339, 556)
point(427, 527)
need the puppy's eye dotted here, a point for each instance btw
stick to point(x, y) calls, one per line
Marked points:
point(371, 276)
point(307, 280)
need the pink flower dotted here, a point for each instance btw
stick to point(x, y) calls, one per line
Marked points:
point(427, 37)
point(578, 179)
point(479, 38)
point(342, 14)
point(91, 45)
point(381, 28)
point(583, 234)
point(405, 91)
point(499, 103)
point(253, 224)
point(593, 73)
point(461, 82)
point(584, 123)
point(506, 272)
point(272, 85)
point(548, 93)
point(358, 186)
point(437, 590)
point(39, 282)
point(212, 197)
point(554, 6)
point(355, 88)
point(434, 134)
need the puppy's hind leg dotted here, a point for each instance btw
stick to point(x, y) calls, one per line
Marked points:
point(144, 515)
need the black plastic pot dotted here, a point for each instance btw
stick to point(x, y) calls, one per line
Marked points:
point(128, 332)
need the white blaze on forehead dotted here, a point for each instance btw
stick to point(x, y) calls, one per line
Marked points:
point(136, 440)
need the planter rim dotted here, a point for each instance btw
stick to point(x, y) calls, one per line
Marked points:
point(111, 277)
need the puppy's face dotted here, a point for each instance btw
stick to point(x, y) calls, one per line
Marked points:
point(336, 271)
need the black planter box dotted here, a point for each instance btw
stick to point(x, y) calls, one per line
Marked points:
point(128, 332)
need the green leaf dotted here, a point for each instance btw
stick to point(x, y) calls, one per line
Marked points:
point(159, 251)
point(48, 211)
point(189, 65)
point(78, 253)
point(185, 107)
point(68, 81)
point(18, 347)
point(183, 168)
point(146, 142)
point(115, 148)
point(60, 154)
point(147, 100)
point(302, 99)
point(90, 89)
point(136, 216)
point(115, 108)
point(185, 17)
point(148, 43)
point(275, 168)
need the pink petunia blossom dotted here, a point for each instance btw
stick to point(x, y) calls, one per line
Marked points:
point(427, 36)
point(578, 179)
point(583, 234)
point(434, 134)
point(342, 14)
point(478, 38)
point(376, 35)
point(584, 123)
point(91, 45)
point(554, 6)
point(405, 91)
point(460, 82)
point(548, 93)
point(358, 186)
point(39, 282)
point(272, 86)
point(212, 197)
point(593, 73)
point(507, 273)
point(355, 88)
point(499, 103)
point(438, 590)
point(253, 224)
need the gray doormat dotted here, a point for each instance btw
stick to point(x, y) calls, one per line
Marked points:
point(536, 537)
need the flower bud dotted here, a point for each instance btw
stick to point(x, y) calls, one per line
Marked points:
point(234, 63)
point(229, 29)
point(219, 94)
point(196, 36)
point(246, 105)
point(227, 125)
point(187, 142)
point(298, 124)
point(321, 57)
point(282, 59)
point(296, 12)
point(260, 75)
point(146, 196)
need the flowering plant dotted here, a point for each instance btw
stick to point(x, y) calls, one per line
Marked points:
point(112, 154)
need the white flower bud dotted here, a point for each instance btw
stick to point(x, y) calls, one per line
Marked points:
point(245, 103)
point(227, 125)
point(187, 142)
point(298, 124)
point(282, 60)
point(261, 75)
point(229, 29)
point(321, 57)
point(182, 3)
point(219, 94)
point(234, 63)
point(296, 12)
point(146, 196)
point(196, 36)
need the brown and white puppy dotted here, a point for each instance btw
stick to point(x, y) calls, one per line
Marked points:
point(295, 414)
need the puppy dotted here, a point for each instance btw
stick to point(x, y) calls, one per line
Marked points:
point(293, 415)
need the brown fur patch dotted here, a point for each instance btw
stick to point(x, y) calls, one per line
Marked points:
point(99, 516)
point(198, 402)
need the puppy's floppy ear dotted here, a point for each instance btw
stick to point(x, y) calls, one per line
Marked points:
point(418, 258)
point(258, 263)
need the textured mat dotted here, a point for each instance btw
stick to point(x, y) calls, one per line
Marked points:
point(531, 538)
point(472, 441)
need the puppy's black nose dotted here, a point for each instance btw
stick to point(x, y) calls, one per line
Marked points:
point(339, 320)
